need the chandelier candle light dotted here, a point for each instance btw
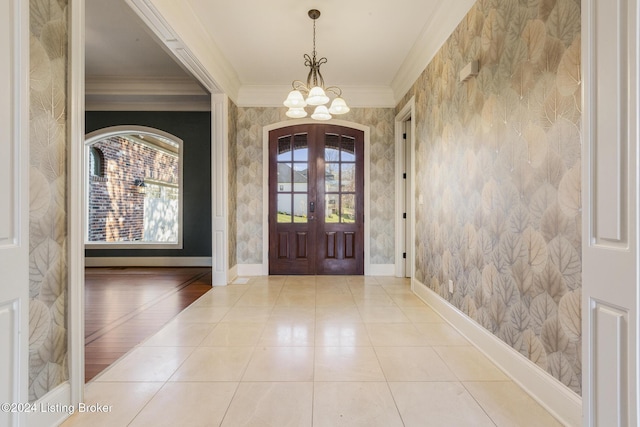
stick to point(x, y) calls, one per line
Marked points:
point(314, 90)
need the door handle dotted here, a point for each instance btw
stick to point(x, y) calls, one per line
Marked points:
point(312, 207)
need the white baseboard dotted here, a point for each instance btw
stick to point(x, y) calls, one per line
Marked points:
point(52, 408)
point(381, 270)
point(554, 396)
point(251, 270)
point(147, 261)
point(232, 273)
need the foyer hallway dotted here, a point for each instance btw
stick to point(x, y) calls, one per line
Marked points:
point(308, 351)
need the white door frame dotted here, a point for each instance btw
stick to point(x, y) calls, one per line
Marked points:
point(176, 45)
point(265, 186)
point(219, 189)
point(14, 209)
point(402, 266)
point(76, 192)
point(219, 153)
point(610, 211)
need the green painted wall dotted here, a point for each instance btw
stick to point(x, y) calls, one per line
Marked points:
point(194, 128)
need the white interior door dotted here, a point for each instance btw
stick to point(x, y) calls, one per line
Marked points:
point(405, 203)
point(14, 207)
point(610, 212)
point(408, 201)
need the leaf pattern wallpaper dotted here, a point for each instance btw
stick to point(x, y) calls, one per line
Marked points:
point(249, 166)
point(47, 190)
point(498, 168)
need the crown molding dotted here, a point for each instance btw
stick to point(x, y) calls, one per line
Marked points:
point(134, 93)
point(181, 32)
point(145, 85)
point(147, 103)
point(356, 96)
point(431, 39)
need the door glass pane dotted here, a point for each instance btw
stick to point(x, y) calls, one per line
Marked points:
point(332, 148)
point(284, 208)
point(348, 149)
point(299, 208)
point(348, 177)
point(284, 148)
point(300, 177)
point(331, 207)
point(348, 208)
point(284, 177)
point(331, 176)
point(300, 148)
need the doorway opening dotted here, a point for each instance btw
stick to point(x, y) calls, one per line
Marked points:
point(316, 200)
point(405, 190)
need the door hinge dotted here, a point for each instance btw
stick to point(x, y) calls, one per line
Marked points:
point(404, 255)
point(404, 175)
point(404, 135)
point(404, 215)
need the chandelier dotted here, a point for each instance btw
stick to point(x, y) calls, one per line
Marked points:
point(314, 93)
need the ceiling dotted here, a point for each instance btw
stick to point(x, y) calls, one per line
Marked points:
point(372, 46)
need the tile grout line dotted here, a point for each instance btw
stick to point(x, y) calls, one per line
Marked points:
point(479, 404)
point(235, 392)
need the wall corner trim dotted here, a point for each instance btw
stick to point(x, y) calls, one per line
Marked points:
point(556, 398)
point(219, 188)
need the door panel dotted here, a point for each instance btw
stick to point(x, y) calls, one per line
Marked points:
point(316, 200)
point(610, 216)
point(349, 245)
point(291, 227)
point(14, 208)
point(302, 246)
point(341, 197)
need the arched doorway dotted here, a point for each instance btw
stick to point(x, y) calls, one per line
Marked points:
point(316, 200)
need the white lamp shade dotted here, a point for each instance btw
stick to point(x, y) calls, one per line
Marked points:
point(339, 106)
point(317, 96)
point(321, 113)
point(295, 100)
point(296, 112)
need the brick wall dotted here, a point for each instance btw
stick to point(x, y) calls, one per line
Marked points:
point(116, 207)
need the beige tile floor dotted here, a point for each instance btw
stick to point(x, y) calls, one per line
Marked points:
point(308, 351)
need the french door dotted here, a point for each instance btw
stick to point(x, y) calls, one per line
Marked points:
point(316, 200)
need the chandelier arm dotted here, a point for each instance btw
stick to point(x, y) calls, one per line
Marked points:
point(299, 85)
point(334, 90)
point(312, 78)
point(318, 64)
point(308, 62)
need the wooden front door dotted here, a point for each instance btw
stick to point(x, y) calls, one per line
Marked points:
point(316, 200)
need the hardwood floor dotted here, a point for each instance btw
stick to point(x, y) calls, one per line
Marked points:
point(124, 306)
